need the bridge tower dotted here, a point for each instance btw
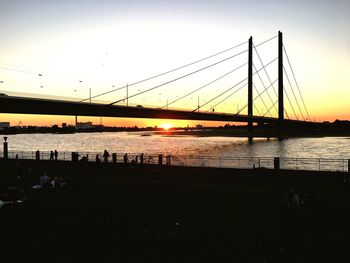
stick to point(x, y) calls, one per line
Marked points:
point(280, 77)
point(250, 87)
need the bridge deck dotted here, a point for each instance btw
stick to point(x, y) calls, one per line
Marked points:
point(23, 105)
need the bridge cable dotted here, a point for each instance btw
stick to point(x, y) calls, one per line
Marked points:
point(169, 71)
point(259, 94)
point(261, 98)
point(262, 43)
point(270, 108)
point(256, 109)
point(178, 68)
point(227, 97)
point(178, 78)
point(285, 92)
point(231, 87)
point(211, 82)
point(262, 82)
point(285, 51)
point(268, 77)
point(285, 72)
point(18, 69)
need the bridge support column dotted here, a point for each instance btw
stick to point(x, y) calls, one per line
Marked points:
point(250, 88)
point(280, 86)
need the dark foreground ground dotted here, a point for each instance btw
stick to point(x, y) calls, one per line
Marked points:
point(111, 213)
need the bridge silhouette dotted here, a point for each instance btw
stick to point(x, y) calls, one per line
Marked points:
point(204, 111)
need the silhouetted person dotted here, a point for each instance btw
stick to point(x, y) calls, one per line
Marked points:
point(141, 158)
point(75, 156)
point(126, 158)
point(37, 155)
point(105, 156)
point(293, 201)
point(98, 160)
point(56, 155)
point(51, 156)
point(44, 180)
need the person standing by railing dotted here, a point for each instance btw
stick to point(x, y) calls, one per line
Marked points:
point(105, 156)
point(56, 154)
point(141, 158)
point(37, 155)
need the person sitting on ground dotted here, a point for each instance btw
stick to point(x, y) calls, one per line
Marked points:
point(61, 182)
point(44, 180)
point(83, 159)
point(54, 182)
point(293, 201)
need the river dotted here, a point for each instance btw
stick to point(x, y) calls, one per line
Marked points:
point(136, 142)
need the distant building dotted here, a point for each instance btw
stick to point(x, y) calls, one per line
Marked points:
point(83, 125)
point(4, 125)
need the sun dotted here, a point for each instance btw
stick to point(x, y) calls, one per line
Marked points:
point(166, 126)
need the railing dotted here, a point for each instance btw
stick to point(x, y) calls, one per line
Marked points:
point(312, 164)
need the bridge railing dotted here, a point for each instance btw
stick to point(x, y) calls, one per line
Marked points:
point(239, 162)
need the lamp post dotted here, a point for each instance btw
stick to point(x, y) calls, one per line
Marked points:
point(6, 154)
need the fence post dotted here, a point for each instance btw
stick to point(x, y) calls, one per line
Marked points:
point(202, 161)
point(276, 163)
point(319, 164)
point(349, 166)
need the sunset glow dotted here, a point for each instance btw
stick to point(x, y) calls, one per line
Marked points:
point(166, 126)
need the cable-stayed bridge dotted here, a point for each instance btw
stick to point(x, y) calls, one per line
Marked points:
point(272, 97)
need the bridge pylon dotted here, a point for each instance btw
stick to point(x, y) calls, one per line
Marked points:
point(250, 88)
point(280, 77)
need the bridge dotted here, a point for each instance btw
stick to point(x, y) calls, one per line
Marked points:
point(205, 111)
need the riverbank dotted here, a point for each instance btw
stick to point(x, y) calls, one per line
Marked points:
point(110, 213)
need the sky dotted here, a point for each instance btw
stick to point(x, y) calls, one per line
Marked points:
point(69, 48)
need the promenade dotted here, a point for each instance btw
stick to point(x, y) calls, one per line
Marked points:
point(132, 213)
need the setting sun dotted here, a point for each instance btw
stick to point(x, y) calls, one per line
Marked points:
point(166, 126)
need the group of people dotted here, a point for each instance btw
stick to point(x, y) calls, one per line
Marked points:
point(126, 160)
point(47, 182)
point(53, 154)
